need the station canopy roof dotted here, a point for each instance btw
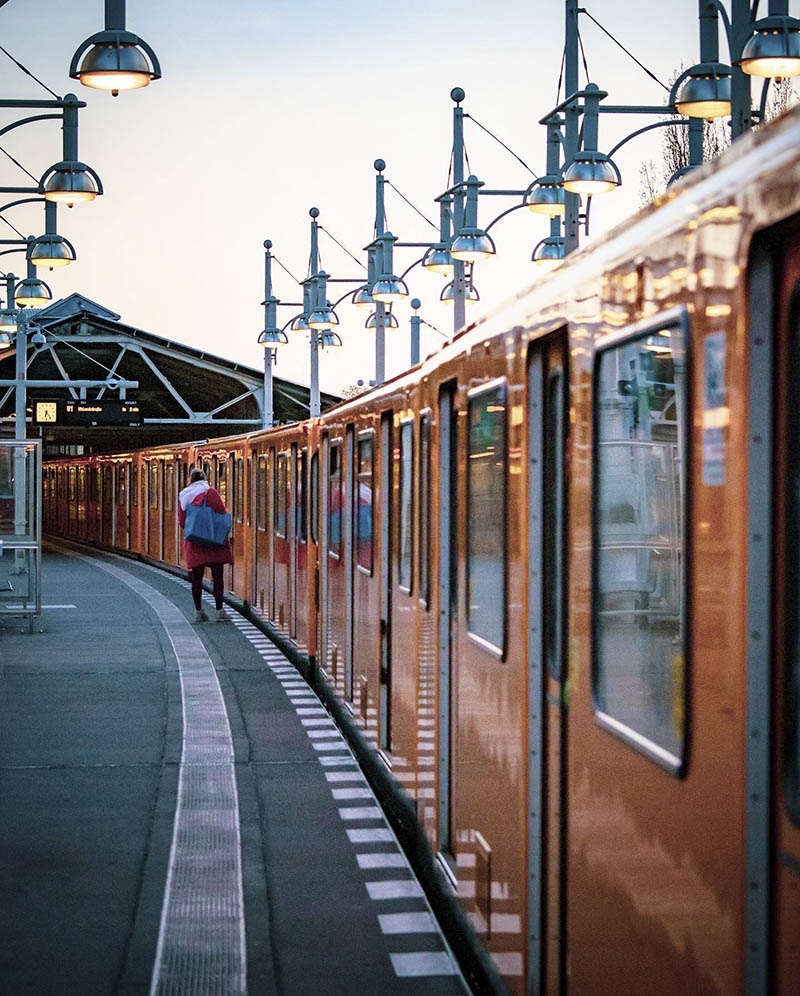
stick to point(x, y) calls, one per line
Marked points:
point(183, 393)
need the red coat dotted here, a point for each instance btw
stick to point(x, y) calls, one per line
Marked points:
point(202, 556)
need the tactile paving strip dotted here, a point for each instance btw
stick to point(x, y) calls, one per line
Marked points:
point(201, 948)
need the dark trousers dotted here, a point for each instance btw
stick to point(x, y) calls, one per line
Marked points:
point(197, 584)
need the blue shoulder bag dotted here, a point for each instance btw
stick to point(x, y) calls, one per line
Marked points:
point(205, 526)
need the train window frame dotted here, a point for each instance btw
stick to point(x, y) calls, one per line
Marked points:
point(789, 762)
point(672, 319)
point(281, 486)
point(134, 485)
point(155, 479)
point(169, 486)
point(261, 493)
point(405, 578)
point(238, 490)
point(313, 494)
point(365, 436)
point(335, 449)
point(424, 507)
point(495, 650)
point(301, 495)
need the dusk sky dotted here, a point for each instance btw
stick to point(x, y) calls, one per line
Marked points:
point(268, 109)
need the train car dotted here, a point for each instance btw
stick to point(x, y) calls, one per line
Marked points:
point(553, 572)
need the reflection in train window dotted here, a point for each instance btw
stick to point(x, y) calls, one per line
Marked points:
point(280, 496)
point(406, 499)
point(82, 484)
point(424, 507)
point(169, 486)
point(72, 477)
point(486, 499)
point(222, 479)
point(639, 543)
point(134, 485)
point(300, 506)
point(261, 494)
point(364, 500)
point(335, 500)
point(314, 488)
point(238, 494)
point(154, 484)
point(122, 473)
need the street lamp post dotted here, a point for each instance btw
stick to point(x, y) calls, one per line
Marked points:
point(314, 399)
point(459, 273)
point(380, 308)
point(416, 321)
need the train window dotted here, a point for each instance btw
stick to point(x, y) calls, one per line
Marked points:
point(207, 471)
point(81, 484)
point(134, 485)
point(335, 500)
point(486, 497)
point(122, 481)
point(154, 484)
point(280, 496)
point(301, 512)
point(364, 500)
point(238, 493)
point(169, 486)
point(261, 494)
point(222, 479)
point(424, 507)
point(404, 550)
point(314, 489)
point(638, 589)
point(144, 485)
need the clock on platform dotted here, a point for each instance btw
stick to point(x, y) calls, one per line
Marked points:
point(45, 412)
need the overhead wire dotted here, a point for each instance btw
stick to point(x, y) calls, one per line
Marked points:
point(12, 227)
point(630, 54)
point(16, 162)
point(286, 268)
point(343, 248)
point(412, 206)
point(28, 72)
point(501, 142)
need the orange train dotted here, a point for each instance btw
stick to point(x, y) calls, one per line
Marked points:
point(554, 573)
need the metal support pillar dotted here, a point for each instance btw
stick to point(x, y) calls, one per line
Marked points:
point(571, 125)
point(459, 268)
point(380, 309)
point(741, 101)
point(115, 15)
point(70, 126)
point(314, 406)
point(269, 354)
point(416, 321)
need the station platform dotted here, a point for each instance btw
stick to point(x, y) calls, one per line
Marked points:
point(180, 813)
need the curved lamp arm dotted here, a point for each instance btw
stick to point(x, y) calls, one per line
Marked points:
point(22, 200)
point(347, 294)
point(516, 207)
point(24, 121)
point(641, 131)
point(410, 268)
point(286, 326)
point(726, 22)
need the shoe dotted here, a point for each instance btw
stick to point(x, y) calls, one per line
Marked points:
point(222, 615)
point(200, 616)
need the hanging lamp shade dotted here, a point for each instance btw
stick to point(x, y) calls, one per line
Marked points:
point(438, 260)
point(545, 196)
point(32, 293)
point(448, 295)
point(51, 251)
point(389, 321)
point(591, 173)
point(362, 298)
point(706, 91)
point(389, 289)
point(472, 245)
point(273, 339)
point(115, 60)
point(549, 251)
point(8, 321)
point(773, 52)
point(70, 183)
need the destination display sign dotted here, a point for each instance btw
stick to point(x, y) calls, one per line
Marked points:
point(111, 412)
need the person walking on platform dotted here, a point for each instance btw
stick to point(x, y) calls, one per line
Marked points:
point(198, 556)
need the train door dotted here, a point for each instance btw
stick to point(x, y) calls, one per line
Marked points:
point(350, 503)
point(107, 504)
point(292, 513)
point(448, 602)
point(772, 911)
point(547, 770)
point(322, 559)
point(387, 491)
